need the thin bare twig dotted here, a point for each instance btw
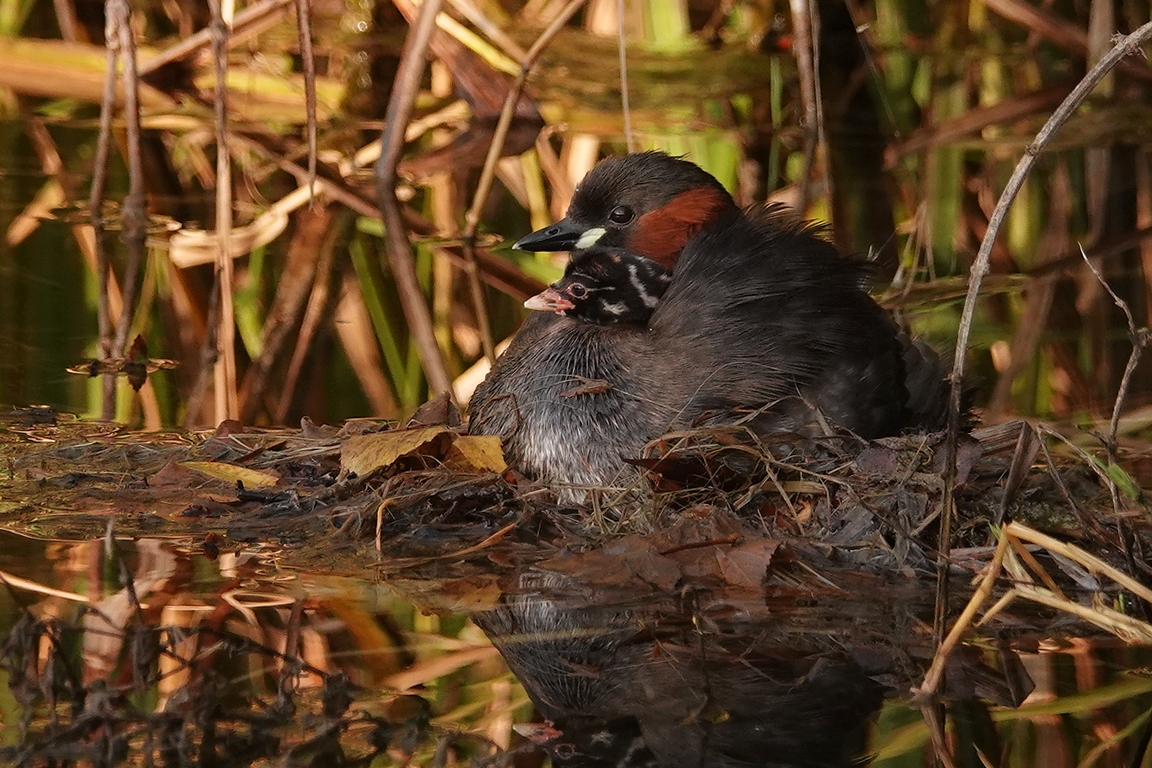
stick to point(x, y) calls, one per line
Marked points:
point(400, 254)
point(246, 23)
point(623, 51)
point(304, 29)
point(226, 398)
point(1124, 47)
point(488, 173)
point(1140, 338)
point(134, 213)
point(96, 200)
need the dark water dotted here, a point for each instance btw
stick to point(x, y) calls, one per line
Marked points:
point(47, 297)
point(237, 658)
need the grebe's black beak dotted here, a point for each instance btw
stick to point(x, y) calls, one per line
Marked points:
point(564, 235)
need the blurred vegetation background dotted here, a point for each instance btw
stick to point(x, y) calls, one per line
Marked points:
point(897, 122)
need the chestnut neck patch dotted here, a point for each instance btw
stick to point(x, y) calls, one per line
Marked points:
point(661, 234)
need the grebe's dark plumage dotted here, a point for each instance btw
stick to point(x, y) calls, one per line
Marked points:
point(760, 314)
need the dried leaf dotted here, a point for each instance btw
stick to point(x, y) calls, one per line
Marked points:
point(587, 387)
point(747, 564)
point(437, 412)
point(252, 478)
point(482, 452)
point(365, 453)
point(878, 459)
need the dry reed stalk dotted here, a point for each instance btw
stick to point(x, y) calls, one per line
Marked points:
point(304, 29)
point(400, 254)
point(245, 24)
point(488, 173)
point(1124, 47)
point(1012, 538)
point(935, 674)
point(806, 32)
point(96, 209)
point(1072, 552)
point(227, 402)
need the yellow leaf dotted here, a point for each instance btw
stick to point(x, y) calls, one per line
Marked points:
point(252, 478)
point(364, 453)
point(481, 452)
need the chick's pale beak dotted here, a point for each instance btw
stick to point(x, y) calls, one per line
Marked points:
point(561, 236)
point(550, 300)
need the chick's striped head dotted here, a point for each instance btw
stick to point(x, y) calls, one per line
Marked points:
point(606, 286)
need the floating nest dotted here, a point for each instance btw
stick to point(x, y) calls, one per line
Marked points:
point(429, 499)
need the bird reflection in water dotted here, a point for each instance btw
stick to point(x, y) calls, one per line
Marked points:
point(648, 683)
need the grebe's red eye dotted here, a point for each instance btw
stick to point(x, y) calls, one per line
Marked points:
point(621, 214)
point(577, 291)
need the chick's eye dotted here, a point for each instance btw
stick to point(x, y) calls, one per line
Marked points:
point(621, 214)
point(577, 291)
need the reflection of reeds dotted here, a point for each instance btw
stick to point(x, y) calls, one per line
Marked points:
point(154, 664)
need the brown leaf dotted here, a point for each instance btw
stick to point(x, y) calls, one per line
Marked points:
point(172, 475)
point(482, 452)
point(747, 564)
point(252, 478)
point(587, 387)
point(363, 454)
point(439, 411)
point(878, 459)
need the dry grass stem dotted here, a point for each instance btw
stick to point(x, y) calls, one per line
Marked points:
point(1034, 565)
point(1004, 601)
point(1125, 46)
point(805, 29)
point(400, 254)
point(469, 11)
point(1076, 554)
point(488, 172)
point(936, 732)
point(226, 395)
point(1127, 628)
point(249, 22)
point(12, 581)
point(304, 29)
point(96, 204)
point(963, 623)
